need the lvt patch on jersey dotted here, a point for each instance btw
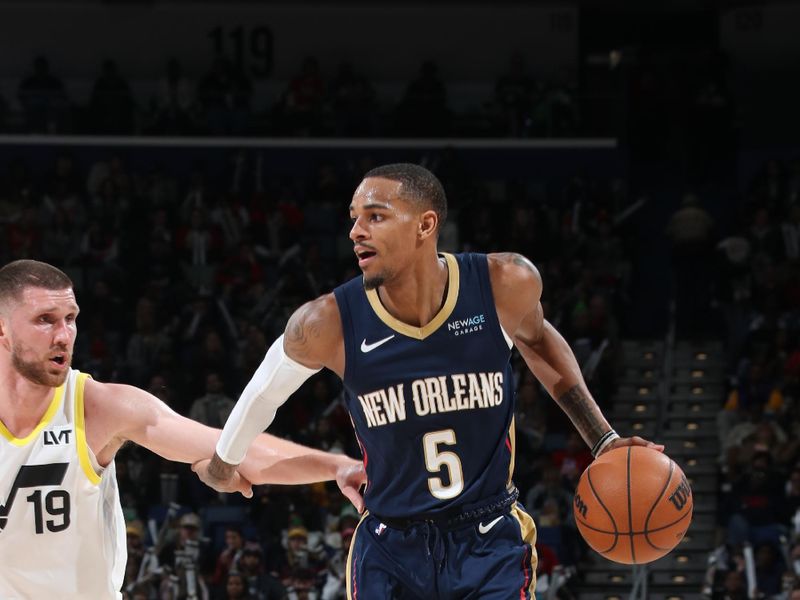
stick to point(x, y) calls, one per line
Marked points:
point(58, 436)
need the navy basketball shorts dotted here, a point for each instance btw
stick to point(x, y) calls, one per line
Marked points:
point(493, 558)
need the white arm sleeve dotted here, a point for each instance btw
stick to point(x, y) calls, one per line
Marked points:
point(276, 378)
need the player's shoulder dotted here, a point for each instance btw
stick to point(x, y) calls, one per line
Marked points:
point(109, 408)
point(314, 328)
point(107, 399)
point(516, 283)
point(93, 394)
point(322, 309)
point(512, 268)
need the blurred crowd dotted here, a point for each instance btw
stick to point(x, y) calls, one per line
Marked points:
point(185, 277)
point(341, 102)
point(185, 281)
point(745, 278)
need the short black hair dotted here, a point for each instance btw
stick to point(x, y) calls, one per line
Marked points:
point(418, 184)
point(16, 276)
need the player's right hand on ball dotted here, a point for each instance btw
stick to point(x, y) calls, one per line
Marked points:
point(633, 441)
point(222, 477)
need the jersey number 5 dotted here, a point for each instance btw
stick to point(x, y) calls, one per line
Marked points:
point(435, 460)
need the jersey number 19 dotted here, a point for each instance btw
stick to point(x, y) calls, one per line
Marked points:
point(56, 502)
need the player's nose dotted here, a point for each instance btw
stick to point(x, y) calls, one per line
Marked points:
point(357, 232)
point(62, 333)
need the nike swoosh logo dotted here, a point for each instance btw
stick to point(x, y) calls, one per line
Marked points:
point(365, 347)
point(484, 529)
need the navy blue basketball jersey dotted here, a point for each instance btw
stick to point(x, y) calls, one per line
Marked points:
point(432, 406)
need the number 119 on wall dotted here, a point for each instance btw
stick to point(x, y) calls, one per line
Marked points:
point(250, 49)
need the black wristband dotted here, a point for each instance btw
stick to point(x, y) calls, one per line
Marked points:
point(608, 435)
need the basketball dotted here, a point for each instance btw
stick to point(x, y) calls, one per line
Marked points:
point(633, 505)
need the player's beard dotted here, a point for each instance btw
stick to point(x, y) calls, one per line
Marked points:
point(374, 282)
point(36, 371)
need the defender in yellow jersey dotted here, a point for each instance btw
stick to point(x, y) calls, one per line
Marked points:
point(61, 528)
point(60, 508)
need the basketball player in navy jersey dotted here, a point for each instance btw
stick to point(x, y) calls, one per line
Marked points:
point(422, 342)
point(62, 533)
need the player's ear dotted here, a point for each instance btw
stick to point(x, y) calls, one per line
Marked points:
point(3, 330)
point(428, 222)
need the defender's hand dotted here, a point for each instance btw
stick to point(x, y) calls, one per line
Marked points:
point(351, 478)
point(222, 477)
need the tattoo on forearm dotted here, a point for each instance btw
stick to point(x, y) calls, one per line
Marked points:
point(584, 414)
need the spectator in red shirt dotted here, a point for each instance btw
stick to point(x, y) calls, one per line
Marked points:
point(229, 556)
point(573, 459)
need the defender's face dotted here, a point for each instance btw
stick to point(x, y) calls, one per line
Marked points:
point(384, 231)
point(39, 333)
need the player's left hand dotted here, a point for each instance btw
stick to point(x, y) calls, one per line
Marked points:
point(632, 441)
point(351, 478)
point(230, 483)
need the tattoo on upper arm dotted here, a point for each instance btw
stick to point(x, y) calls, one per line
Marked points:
point(583, 412)
point(314, 325)
point(516, 259)
point(304, 328)
point(294, 332)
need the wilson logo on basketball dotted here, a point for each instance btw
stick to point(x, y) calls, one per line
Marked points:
point(681, 494)
point(580, 506)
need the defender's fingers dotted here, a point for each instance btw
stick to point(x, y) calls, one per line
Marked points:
point(355, 498)
point(245, 487)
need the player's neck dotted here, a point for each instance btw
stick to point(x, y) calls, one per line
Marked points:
point(22, 402)
point(416, 295)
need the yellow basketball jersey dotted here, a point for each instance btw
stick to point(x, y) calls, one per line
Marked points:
point(62, 533)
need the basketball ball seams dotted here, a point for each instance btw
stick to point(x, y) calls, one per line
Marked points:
point(615, 533)
point(688, 513)
point(647, 530)
point(660, 494)
point(643, 532)
point(630, 507)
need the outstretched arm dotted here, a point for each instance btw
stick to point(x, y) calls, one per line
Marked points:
point(120, 413)
point(517, 289)
point(311, 341)
point(271, 459)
